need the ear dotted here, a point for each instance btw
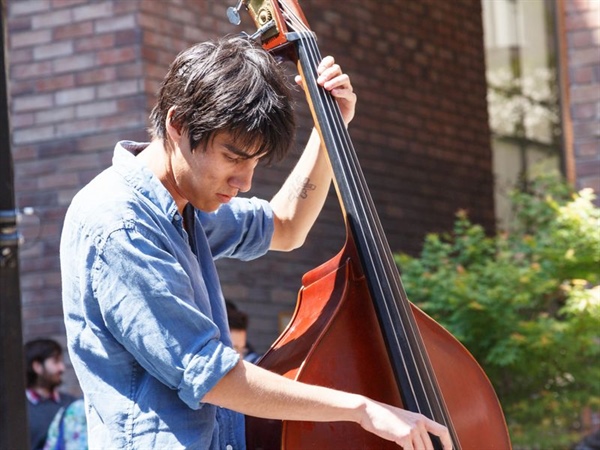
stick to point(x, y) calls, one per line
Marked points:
point(173, 129)
point(37, 367)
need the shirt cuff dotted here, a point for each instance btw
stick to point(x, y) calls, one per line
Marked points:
point(205, 370)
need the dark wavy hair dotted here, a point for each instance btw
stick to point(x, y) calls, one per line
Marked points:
point(39, 350)
point(231, 85)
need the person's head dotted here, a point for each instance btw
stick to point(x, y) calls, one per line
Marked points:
point(238, 327)
point(230, 85)
point(44, 363)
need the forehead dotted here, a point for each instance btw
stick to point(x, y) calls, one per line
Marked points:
point(242, 146)
point(54, 358)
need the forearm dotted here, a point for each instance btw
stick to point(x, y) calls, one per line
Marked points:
point(254, 391)
point(298, 203)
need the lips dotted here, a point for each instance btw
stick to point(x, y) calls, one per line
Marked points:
point(224, 198)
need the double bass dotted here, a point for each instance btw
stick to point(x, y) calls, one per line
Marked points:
point(354, 328)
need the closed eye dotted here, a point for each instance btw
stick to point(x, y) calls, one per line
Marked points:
point(230, 158)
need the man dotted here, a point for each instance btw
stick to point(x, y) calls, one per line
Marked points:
point(44, 369)
point(145, 315)
point(238, 329)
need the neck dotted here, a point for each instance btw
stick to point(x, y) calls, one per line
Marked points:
point(156, 158)
point(43, 391)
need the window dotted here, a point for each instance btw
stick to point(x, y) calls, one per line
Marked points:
point(523, 104)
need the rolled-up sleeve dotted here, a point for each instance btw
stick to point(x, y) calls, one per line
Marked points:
point(241, 229)
point(150, 307)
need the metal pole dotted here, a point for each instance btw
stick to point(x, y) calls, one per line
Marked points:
point(14, 429)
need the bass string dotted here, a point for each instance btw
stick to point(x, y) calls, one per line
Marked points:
point(342, 148)
point(346, 153)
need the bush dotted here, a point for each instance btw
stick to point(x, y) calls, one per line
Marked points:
point(526, 303)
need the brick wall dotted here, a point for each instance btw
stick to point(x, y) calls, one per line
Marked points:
point(582, 26)
point(76, 85)
point(83, 76)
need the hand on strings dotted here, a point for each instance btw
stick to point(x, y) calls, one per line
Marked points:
point(407, 429)
point(332, 78)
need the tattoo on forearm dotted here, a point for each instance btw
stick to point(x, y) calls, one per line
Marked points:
point(300, 188)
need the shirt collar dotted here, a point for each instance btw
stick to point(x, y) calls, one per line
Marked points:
point(34, 397)
point(140, 177)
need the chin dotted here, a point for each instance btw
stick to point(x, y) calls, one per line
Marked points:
point(209, 208)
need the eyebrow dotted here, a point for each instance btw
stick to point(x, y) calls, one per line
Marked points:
point(241, 153)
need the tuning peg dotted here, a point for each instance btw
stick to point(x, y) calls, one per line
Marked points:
point(258, 33)
point(233, 13)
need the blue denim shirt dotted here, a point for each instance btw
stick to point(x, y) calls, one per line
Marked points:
point(145, 317)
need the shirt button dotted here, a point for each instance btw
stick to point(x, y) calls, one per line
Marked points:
point(229, 447)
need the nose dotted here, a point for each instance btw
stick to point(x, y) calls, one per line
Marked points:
point(242, 180)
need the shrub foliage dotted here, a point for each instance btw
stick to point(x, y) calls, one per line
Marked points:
point(526, 303)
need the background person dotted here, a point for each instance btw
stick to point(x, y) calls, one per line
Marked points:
point(44, 370)
point(68, 430)
point(238, 326)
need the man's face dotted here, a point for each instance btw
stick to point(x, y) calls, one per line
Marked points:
point(210, 177)
point(50, 371)
point(238, 338)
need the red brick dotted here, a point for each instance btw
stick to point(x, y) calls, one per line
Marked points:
point(73, 30)
point(51, 182)
point(75, 95)
point(588, 168)
point(119, 89)
point(95, 42)
point(27, 7)
point(592, 182)
point(73, 63)
point(51, 19)
point(22, 120)
point(56, 115)
point(33, 134)
point(116, 56)
point(96, 76)
point(587, 147)
point(582, 75)
point(584, 56)
point(96, 109)
point(585, 111)
point(50, 51)
point(95, 10)
point(33, 102)
point(23, 87)
point(55, 83)
point(585, 93)
point(581, 38)
point(17, 24)
point(24, 55)
point(29, 38)
point(111, 24)
point(76, 127)
point(66, 3)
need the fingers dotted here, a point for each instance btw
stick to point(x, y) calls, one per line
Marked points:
point(418, 437)
point(441, 432)
point(331, 77)
point(408, 429)
point(421, 442)
point(421, 438)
